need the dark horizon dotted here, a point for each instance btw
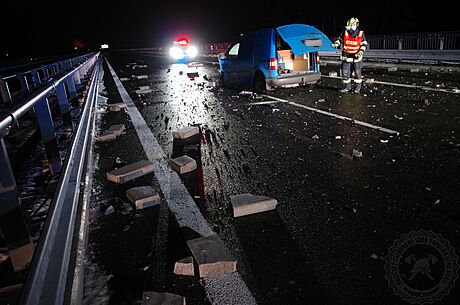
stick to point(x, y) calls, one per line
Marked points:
point(53, 31)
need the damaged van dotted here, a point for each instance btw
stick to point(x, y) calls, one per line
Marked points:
point(286, 56)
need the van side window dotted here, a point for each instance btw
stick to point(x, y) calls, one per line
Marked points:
point(234, 50)
point(280, 43)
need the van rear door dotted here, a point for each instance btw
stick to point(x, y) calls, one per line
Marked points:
point(304, 38)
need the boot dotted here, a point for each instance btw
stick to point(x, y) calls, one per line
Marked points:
point(346, 89)
point(358, 87)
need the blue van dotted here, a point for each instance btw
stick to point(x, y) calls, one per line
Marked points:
point(281, 57)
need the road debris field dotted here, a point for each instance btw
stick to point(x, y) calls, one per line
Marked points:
point(295, 196)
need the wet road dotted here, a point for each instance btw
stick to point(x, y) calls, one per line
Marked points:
point(338, 215)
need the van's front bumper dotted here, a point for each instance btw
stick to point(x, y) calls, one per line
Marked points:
point(290, 79)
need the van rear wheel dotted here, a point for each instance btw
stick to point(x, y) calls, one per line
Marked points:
point(259, 84)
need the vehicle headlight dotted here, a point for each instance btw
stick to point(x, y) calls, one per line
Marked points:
point(192, 51)
point(176, 53)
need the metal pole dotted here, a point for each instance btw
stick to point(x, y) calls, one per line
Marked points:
point(45, 122)
point(76, 78)
point(36, 78)
point(5, 96)
point(46, 74)
point(63, 102)
point(71, 87)
point(24, 85)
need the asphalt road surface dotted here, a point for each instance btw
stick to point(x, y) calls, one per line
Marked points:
point(351, 173)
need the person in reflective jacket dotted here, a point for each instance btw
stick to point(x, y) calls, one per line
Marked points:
point(353, 42)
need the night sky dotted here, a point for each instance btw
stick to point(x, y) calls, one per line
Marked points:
point(53, 30)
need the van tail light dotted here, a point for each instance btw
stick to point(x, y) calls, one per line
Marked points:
point(318, 61)
point(273, 63)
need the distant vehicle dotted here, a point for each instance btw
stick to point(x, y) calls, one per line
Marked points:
point(182, 50)
point(270, 58)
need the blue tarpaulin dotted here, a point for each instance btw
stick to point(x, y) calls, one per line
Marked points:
point(304, 38)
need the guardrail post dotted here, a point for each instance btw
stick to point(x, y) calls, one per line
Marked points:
point(24, 84)
point(45, 122)
point(53, 69)
point(5, 96)
point(76, 78)
point(71, 86)
point(46, 74)
point(36, 78)
point(12, 223)
point(400, 43)
point(441, 43)
point(63, 102)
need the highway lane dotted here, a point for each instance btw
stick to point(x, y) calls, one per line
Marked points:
point(338, 215)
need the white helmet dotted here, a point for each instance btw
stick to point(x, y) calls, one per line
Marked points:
point(352, 21)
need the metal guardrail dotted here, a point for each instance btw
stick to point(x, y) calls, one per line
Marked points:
point(435, 47)
point(47, 277)
point(27, 63)
point(18, 85)
point(416, 41)
point(426, 56)
point(72, 79)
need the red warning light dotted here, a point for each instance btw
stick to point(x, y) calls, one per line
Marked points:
point(182, 41)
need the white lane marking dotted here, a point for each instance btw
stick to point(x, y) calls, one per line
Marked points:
point(181, 204)
point(358, 122)
point(405, 85)
point(264, 103)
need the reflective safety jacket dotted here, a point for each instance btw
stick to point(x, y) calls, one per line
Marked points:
point(352, 43)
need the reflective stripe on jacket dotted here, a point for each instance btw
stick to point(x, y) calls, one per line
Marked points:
point(351, 45)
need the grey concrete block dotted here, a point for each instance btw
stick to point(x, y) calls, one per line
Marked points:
point(211, 256)
point(332, 73)
point(183, 164)
point(111, 133)
point(109, 211)
point(116, 106)
point(116, 129)
point(161, 298)
point(130, 171)
point(356, 153)
point(144, 91)
point(143, 197)
point(184, 267)
point(246, 204)
point(414, 70)
point(392, 69)
point(106, 136)
point(186, 132)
